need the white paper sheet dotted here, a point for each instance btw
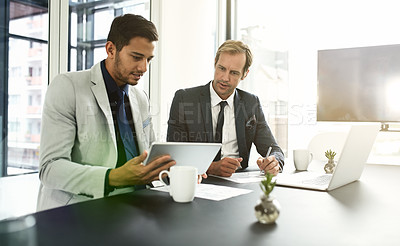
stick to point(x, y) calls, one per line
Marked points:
point(213, 192)
point(244, 177)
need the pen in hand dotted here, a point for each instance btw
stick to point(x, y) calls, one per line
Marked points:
point(268, 153)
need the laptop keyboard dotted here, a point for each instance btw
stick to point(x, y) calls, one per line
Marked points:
point(320, 180)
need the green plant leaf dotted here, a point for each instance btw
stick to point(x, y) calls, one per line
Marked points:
point(266, 184)
point(330, 154)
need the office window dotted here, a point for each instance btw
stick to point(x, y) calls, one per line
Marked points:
point(269, 73)
point(13, 126)
point(14, 99)
point(89, 26)
point(24, 27)
point(15, 72)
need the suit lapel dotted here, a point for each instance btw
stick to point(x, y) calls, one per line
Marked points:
point(205, 106)
point(137, 119)
point(240, 119)
point(100, 93)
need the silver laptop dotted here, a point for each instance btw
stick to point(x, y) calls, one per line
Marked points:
point(348, 169)
point(199, 155)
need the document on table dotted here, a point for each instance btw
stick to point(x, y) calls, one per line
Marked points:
point(213, 192)
point(244, 177)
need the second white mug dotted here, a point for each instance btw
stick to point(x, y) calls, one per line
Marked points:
point(302, 158)
point(183, 182)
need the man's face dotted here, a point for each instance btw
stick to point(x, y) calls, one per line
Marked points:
point(129, 64)
point(228, 73)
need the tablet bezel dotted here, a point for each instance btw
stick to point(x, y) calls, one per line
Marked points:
point(199, 155)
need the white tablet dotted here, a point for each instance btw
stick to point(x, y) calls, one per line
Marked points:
point(199, 155)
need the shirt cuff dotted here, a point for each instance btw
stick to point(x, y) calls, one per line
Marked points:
point(107, 187)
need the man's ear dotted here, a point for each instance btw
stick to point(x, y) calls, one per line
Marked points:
point(245, 74)
point(111, 49)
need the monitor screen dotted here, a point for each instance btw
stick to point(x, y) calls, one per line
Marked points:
point(359, 84)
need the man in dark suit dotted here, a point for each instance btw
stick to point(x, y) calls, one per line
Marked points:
point(195, 116)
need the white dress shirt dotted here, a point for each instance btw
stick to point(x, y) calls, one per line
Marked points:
point(229, 142)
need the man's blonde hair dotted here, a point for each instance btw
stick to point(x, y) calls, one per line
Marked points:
point(236, 47)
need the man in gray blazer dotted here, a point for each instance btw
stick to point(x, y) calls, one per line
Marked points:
point(83, 153)
point(195, 113)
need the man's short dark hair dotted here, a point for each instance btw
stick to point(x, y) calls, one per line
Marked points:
point(128, 26)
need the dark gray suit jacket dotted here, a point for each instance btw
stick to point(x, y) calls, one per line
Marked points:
point(190, 121)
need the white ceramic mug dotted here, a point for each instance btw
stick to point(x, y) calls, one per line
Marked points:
point(302, 158)
point(183, 182)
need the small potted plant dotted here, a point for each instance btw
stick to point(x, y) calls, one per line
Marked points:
point(330, 166)
point(268, 208)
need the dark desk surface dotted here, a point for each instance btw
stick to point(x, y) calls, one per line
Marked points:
point(365, 212)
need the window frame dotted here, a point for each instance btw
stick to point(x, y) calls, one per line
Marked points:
point(4, 23)
point(5, 36)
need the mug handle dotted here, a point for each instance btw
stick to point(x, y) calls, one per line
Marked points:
point(311, 157)
point(162, 181)
point(160, 176)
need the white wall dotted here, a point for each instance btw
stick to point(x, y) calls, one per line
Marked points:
point(186, 50)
